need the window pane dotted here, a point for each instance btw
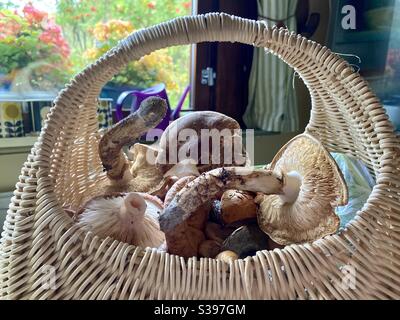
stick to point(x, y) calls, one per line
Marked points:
point(44, 43)
point(374, 39)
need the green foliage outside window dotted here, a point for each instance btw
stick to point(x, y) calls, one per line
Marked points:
point(80, 31)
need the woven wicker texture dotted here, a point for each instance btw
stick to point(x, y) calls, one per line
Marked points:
point(39, 238)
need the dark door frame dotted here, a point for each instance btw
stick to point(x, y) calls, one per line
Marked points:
point(230, 61)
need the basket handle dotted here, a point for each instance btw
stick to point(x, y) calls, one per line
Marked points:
point(321, 70)
point(86, 86)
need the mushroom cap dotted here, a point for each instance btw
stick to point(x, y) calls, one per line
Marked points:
point(176, 187)
point(237, 205)
point(197, 121)
point(310, 214)
point(227, 256)
point(126, 217)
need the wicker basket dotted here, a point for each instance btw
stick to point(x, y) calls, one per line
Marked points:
point(45, 256)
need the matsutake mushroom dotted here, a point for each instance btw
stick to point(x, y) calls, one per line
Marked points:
point(130, 218)
point(312, 187)
point(235, 208)
point(297, 193)
point(210, 185)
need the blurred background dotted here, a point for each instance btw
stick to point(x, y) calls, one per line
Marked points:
point(52, 40)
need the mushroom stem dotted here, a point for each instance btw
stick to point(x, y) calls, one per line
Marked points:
point(133, 209)
point(291, 187)
point(210, 185)
point(183, 169)
point(149, 114)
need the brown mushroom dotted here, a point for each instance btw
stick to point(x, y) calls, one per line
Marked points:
point(176, 187)
point(186, 239)
point(177, 220)
point(237, 205)
point(210, 185)
point(196, 128)
point(313, 187)
point(217, 232)
point(199, 217)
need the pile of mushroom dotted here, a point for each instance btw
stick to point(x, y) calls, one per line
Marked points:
point(290, 201)
point(116, 209)
point(197, 206)
point(155, 168)
point(126, 205)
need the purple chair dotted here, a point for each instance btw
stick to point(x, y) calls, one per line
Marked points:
point(159, 91)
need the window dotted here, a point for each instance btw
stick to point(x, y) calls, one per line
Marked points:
point(44, 43)
point(374, 41)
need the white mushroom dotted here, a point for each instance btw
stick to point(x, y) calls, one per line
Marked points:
point(130, 218)
point(312, 187)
